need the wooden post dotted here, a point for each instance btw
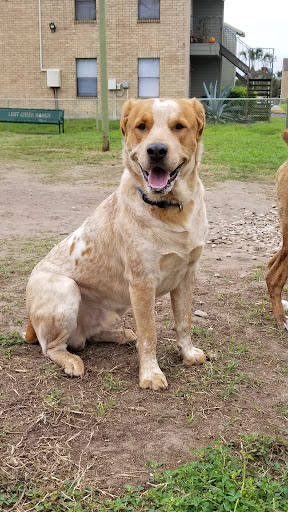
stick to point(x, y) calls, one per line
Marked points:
point(104, 79)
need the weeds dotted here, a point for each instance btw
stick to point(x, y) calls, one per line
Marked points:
point(113, 383)
point(103, 408)
point(224, 477)
point(54, 398)
point(9, 341)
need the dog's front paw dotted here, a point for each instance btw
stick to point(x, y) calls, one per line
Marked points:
point(155, 381)
point(74, 366)
point(194, 356)
point(284, 324)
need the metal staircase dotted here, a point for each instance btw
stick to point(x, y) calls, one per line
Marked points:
point(234, 59)
point(259, 84)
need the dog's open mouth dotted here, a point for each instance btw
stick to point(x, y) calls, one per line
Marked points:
point(158, 178)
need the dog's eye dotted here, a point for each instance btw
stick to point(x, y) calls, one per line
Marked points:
point(141, 126)
point(179, 126)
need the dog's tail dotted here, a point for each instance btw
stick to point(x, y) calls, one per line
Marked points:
point(285, 136)
point(30, 335)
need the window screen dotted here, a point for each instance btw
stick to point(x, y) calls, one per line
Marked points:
point(149, 9)
point(85, 9)
point(148, 77)
point(86, 71)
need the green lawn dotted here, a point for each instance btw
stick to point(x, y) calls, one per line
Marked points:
point(243, 152)
point(252, 476)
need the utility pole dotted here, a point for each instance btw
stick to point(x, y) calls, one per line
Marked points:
point(103, 72)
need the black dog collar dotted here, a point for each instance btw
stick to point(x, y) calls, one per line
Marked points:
point(160, 204)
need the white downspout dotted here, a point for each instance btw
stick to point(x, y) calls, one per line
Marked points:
point(40, 36)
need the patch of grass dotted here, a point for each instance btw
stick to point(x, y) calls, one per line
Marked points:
point(243, 152)
point(28, 254)
point(223, 380)
point(232, 152)
point(10, 339)
point(54, 398)
point(113, 383)
point(283, 409)
point(224, 477)
point(49, 154)
point(259, 273)
point(103, 408)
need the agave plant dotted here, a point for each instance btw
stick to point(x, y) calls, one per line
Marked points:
point(217, 108)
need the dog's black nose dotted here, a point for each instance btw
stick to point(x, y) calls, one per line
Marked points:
point(157, 150)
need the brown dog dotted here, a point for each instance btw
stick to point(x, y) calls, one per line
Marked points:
point(143, 241)
point(278, 265)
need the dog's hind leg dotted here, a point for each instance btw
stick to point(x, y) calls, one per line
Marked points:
point(276, 279)
point(56, 351)
point(30, 334)
point(273, 259)
point(53, 302)
point(120, 336)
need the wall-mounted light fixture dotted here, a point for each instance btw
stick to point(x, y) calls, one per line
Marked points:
point(52, 27)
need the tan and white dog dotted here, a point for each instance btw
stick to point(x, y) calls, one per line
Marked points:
point(142, 242)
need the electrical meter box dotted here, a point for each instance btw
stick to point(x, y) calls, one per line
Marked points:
point(53, 78)
point(112, 84)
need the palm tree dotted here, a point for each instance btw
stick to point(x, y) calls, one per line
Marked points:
point(268, 59)
point(252, 55)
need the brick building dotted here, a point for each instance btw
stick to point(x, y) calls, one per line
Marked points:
point(50, 49)
point(146, 50)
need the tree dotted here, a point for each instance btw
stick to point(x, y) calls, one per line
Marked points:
point(252, 56)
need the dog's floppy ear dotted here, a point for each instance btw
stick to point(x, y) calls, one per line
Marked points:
point(285, 136)
point(200, 114)
point(125, 114)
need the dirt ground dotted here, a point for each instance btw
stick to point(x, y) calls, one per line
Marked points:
point(102, 429)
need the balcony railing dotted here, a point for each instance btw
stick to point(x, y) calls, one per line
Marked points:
point(255, 58)
point(204, 28)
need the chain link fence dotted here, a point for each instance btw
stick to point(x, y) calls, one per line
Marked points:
point(218, 110)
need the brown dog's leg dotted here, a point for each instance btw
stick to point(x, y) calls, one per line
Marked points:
point(181, 299)
point(276, 279)
point(142, 295)
point(273, 259)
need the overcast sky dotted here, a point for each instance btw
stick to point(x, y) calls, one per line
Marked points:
point(264, 23)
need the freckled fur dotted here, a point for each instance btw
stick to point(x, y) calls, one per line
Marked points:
point(278, 265)
point(128, 252)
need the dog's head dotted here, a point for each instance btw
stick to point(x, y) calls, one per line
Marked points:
point(161, 140)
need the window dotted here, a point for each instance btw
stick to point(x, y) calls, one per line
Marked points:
point(85, 10)
point(149, 9)
point(86, 72)
point(148, 78)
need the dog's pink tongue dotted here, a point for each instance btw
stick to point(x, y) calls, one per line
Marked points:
point(158, 178)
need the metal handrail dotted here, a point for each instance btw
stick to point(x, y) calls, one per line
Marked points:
point(252, 55)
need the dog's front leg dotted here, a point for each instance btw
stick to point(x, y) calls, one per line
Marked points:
point(142, 294)
point(181, 299)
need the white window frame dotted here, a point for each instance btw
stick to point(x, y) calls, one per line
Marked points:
point(149, 78)
point(86, 73)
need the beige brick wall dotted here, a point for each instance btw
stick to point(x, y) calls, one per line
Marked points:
point(127, 40)
point(284, 80)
